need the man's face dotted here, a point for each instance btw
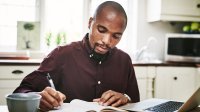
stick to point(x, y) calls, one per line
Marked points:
point(106, 31)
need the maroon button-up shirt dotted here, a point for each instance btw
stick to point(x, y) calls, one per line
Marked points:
point(76, 75)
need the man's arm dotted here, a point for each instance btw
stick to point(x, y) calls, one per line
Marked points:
point(38, 82)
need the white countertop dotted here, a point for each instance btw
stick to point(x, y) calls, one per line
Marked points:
point(34, 61)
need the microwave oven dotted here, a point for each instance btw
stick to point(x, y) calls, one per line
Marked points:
point(182, 48)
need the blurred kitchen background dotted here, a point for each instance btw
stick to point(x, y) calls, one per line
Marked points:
point(30, 29)
point(68, 21)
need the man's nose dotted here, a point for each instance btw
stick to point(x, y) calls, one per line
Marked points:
point(106, 39)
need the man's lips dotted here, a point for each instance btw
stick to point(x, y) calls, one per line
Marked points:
point(101, 48)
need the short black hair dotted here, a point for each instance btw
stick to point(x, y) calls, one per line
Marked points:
point(111, 4)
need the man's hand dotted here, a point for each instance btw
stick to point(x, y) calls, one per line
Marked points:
point(112, 98)
point(51, 99)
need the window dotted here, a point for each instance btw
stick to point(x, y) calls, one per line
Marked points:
point(67, 18)
point(72, 17)
point(62, 17)
point(12, 11)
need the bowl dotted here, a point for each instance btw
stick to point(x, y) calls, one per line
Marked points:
point(23, 102)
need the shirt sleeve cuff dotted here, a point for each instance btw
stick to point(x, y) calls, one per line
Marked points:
point(129, 99)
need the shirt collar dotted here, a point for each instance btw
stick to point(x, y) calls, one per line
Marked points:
point(86, 44)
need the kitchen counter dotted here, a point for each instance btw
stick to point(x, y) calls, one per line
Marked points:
point(21, 62)
point(168, 64)
point(38, 61)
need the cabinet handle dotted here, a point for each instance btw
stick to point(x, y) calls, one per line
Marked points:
point(17, 72)
point(198, 5)
point(175, 78)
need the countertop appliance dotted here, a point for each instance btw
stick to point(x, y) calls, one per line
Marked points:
point(182, 48)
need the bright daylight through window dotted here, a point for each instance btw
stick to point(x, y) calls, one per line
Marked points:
point(61, 21)
point(12, 11)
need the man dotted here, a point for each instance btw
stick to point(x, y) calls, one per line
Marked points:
point(92, 69)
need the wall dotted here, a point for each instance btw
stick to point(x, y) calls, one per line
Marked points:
point(155, 29)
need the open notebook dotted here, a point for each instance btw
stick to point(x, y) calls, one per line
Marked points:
point(77, 105)
point(171, 106)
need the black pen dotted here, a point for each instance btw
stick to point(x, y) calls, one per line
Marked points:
point(50, 81)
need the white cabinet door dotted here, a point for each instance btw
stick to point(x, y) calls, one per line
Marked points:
point(10, 78)
point(141, 75)
point(173, 10)
point(145, 76)
point(7, 87)
point(198, 78)
point(175, 83)
point(181, 7)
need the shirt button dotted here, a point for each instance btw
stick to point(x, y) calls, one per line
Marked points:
point(99, 82)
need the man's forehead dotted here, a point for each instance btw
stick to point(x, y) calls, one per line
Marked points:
point(109, 15)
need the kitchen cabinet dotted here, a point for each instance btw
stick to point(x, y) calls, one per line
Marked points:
point(173, 10)
point(144, 75)
point(197, 80)
point(175, 83)
point(141, 75)
point(10, 78)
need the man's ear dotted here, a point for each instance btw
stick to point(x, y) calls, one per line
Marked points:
point(90, 22)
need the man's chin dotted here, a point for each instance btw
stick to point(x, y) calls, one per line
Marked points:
point(101, 52)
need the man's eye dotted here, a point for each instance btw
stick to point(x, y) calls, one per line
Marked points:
point(117, 36)
point(101, 30)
